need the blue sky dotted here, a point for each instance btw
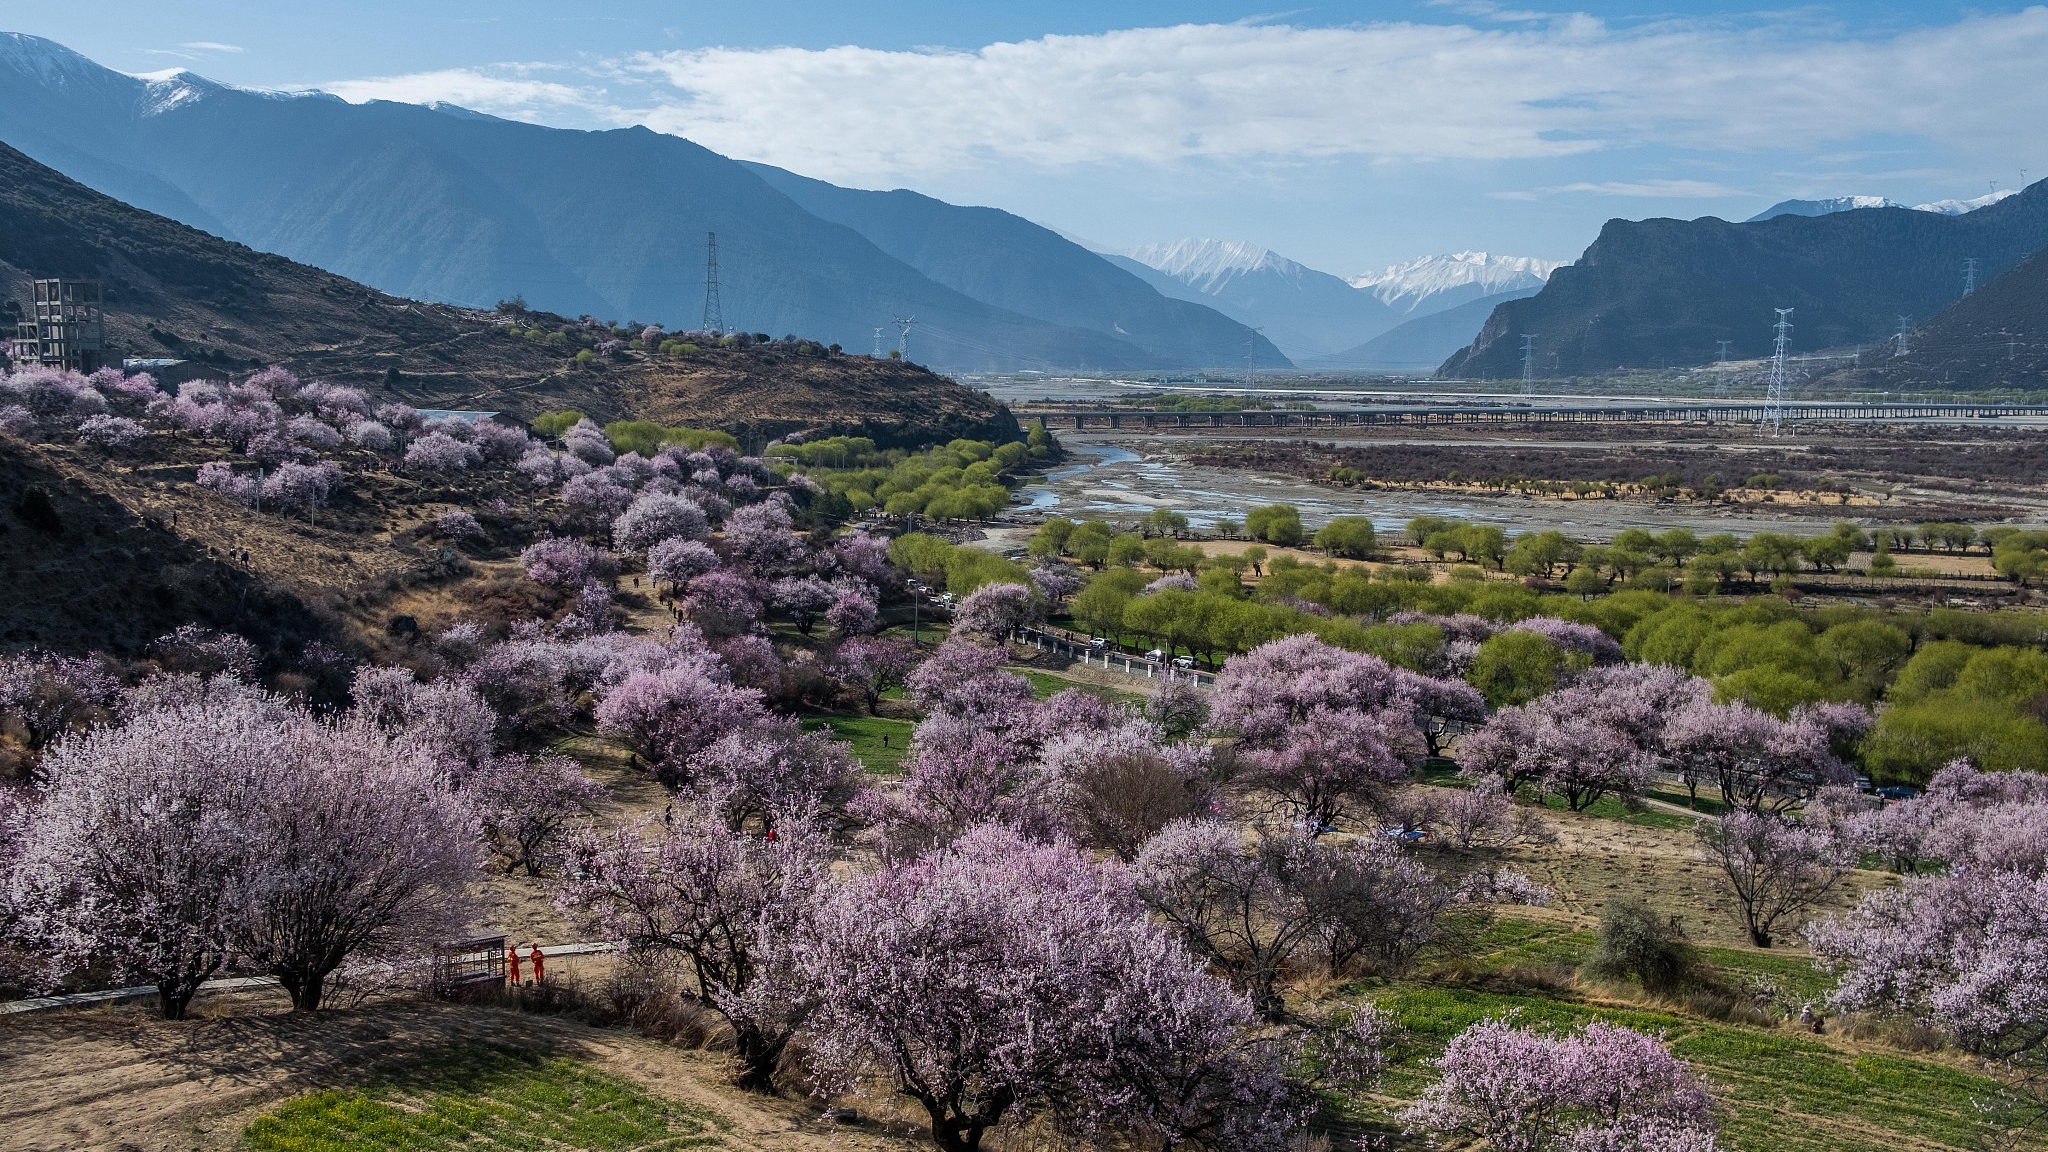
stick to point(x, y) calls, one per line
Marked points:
point(1348, 136)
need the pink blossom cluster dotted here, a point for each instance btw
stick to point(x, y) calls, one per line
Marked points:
point(1600, 1086)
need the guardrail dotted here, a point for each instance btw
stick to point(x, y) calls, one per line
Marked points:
point(1115, 660)
point(236, 984)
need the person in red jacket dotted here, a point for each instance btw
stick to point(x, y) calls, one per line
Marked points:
point(534, 955)
point(512, 962)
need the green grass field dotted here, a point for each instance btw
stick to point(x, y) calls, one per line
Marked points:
point(1044, 684)
point(486, 1100)
point(1780, 1090)
point(866, 735)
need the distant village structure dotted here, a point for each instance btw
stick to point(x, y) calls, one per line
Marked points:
point(65, 328)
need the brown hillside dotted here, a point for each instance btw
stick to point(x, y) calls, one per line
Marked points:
point(175, 291)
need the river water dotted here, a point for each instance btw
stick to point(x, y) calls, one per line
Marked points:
point(1121, 476)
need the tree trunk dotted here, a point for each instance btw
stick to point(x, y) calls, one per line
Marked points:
point(305, 989)
point(174, 996)
point(759, 1057)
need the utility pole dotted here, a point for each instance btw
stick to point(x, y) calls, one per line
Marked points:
point(1774, 397)
point(1969, 275)
point(1528, 364)
point(714, 310)
point(1904, 321)
point(903, 327)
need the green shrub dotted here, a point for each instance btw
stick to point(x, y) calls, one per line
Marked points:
point(553, 424)
point(1275, 524)
point(1637, 944)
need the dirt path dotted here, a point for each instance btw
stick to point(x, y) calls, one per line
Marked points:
point(122, 1081)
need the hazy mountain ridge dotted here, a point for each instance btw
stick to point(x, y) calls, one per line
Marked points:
point(1313, 315)
point(1012, 263)
point(1420, 344)
point(1666, 291)
point(443, 204)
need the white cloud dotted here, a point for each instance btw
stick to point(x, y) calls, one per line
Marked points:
point(1273, 95)
point(513, 96)
point(210, 46)
point(1648, 189)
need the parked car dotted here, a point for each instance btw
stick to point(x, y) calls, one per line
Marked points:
point(1155, 655)
point(1183, 661)
point(1897, 792)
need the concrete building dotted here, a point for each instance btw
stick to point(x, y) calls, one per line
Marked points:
point(66, 327)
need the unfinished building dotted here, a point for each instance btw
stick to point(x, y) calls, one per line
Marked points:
point(65, 327)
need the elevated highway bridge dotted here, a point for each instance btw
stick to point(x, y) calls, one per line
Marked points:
point(1521, 415)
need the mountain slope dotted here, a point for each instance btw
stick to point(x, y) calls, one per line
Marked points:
point(447, 205)
point(175, 291)
point(1304, 312)
point(1419, 345)
point(1996, 337)
point(1007, 261)
point(1665, 291)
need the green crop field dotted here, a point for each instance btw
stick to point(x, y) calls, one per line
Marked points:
point(486, 1100)
point(865, 735)
point(1780, 1091)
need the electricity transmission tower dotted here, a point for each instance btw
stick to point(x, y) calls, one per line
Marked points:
point(1969, 275)
point(878, 343)
point(1251, 353)
point(1774, 398)
point(714, 311)
point(1528, 364)
point(903, 327)
point(1904, 321)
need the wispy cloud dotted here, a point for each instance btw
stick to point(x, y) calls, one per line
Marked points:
point(1502, 86)
point(502, 91)
point(1645, 189)
point(211, 46)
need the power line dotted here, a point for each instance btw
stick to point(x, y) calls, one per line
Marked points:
point(714, 310)
point(1774, 398)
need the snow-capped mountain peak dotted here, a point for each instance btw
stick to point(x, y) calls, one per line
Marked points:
point(47, 60)
point(1426, 276)
point(1958, 207)
point(1209, 264)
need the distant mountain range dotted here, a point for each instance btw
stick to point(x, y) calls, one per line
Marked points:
point(1652, 292)
point(1852, 203)
point(1321, 319)
point(441, 203)
point(1419, 345)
